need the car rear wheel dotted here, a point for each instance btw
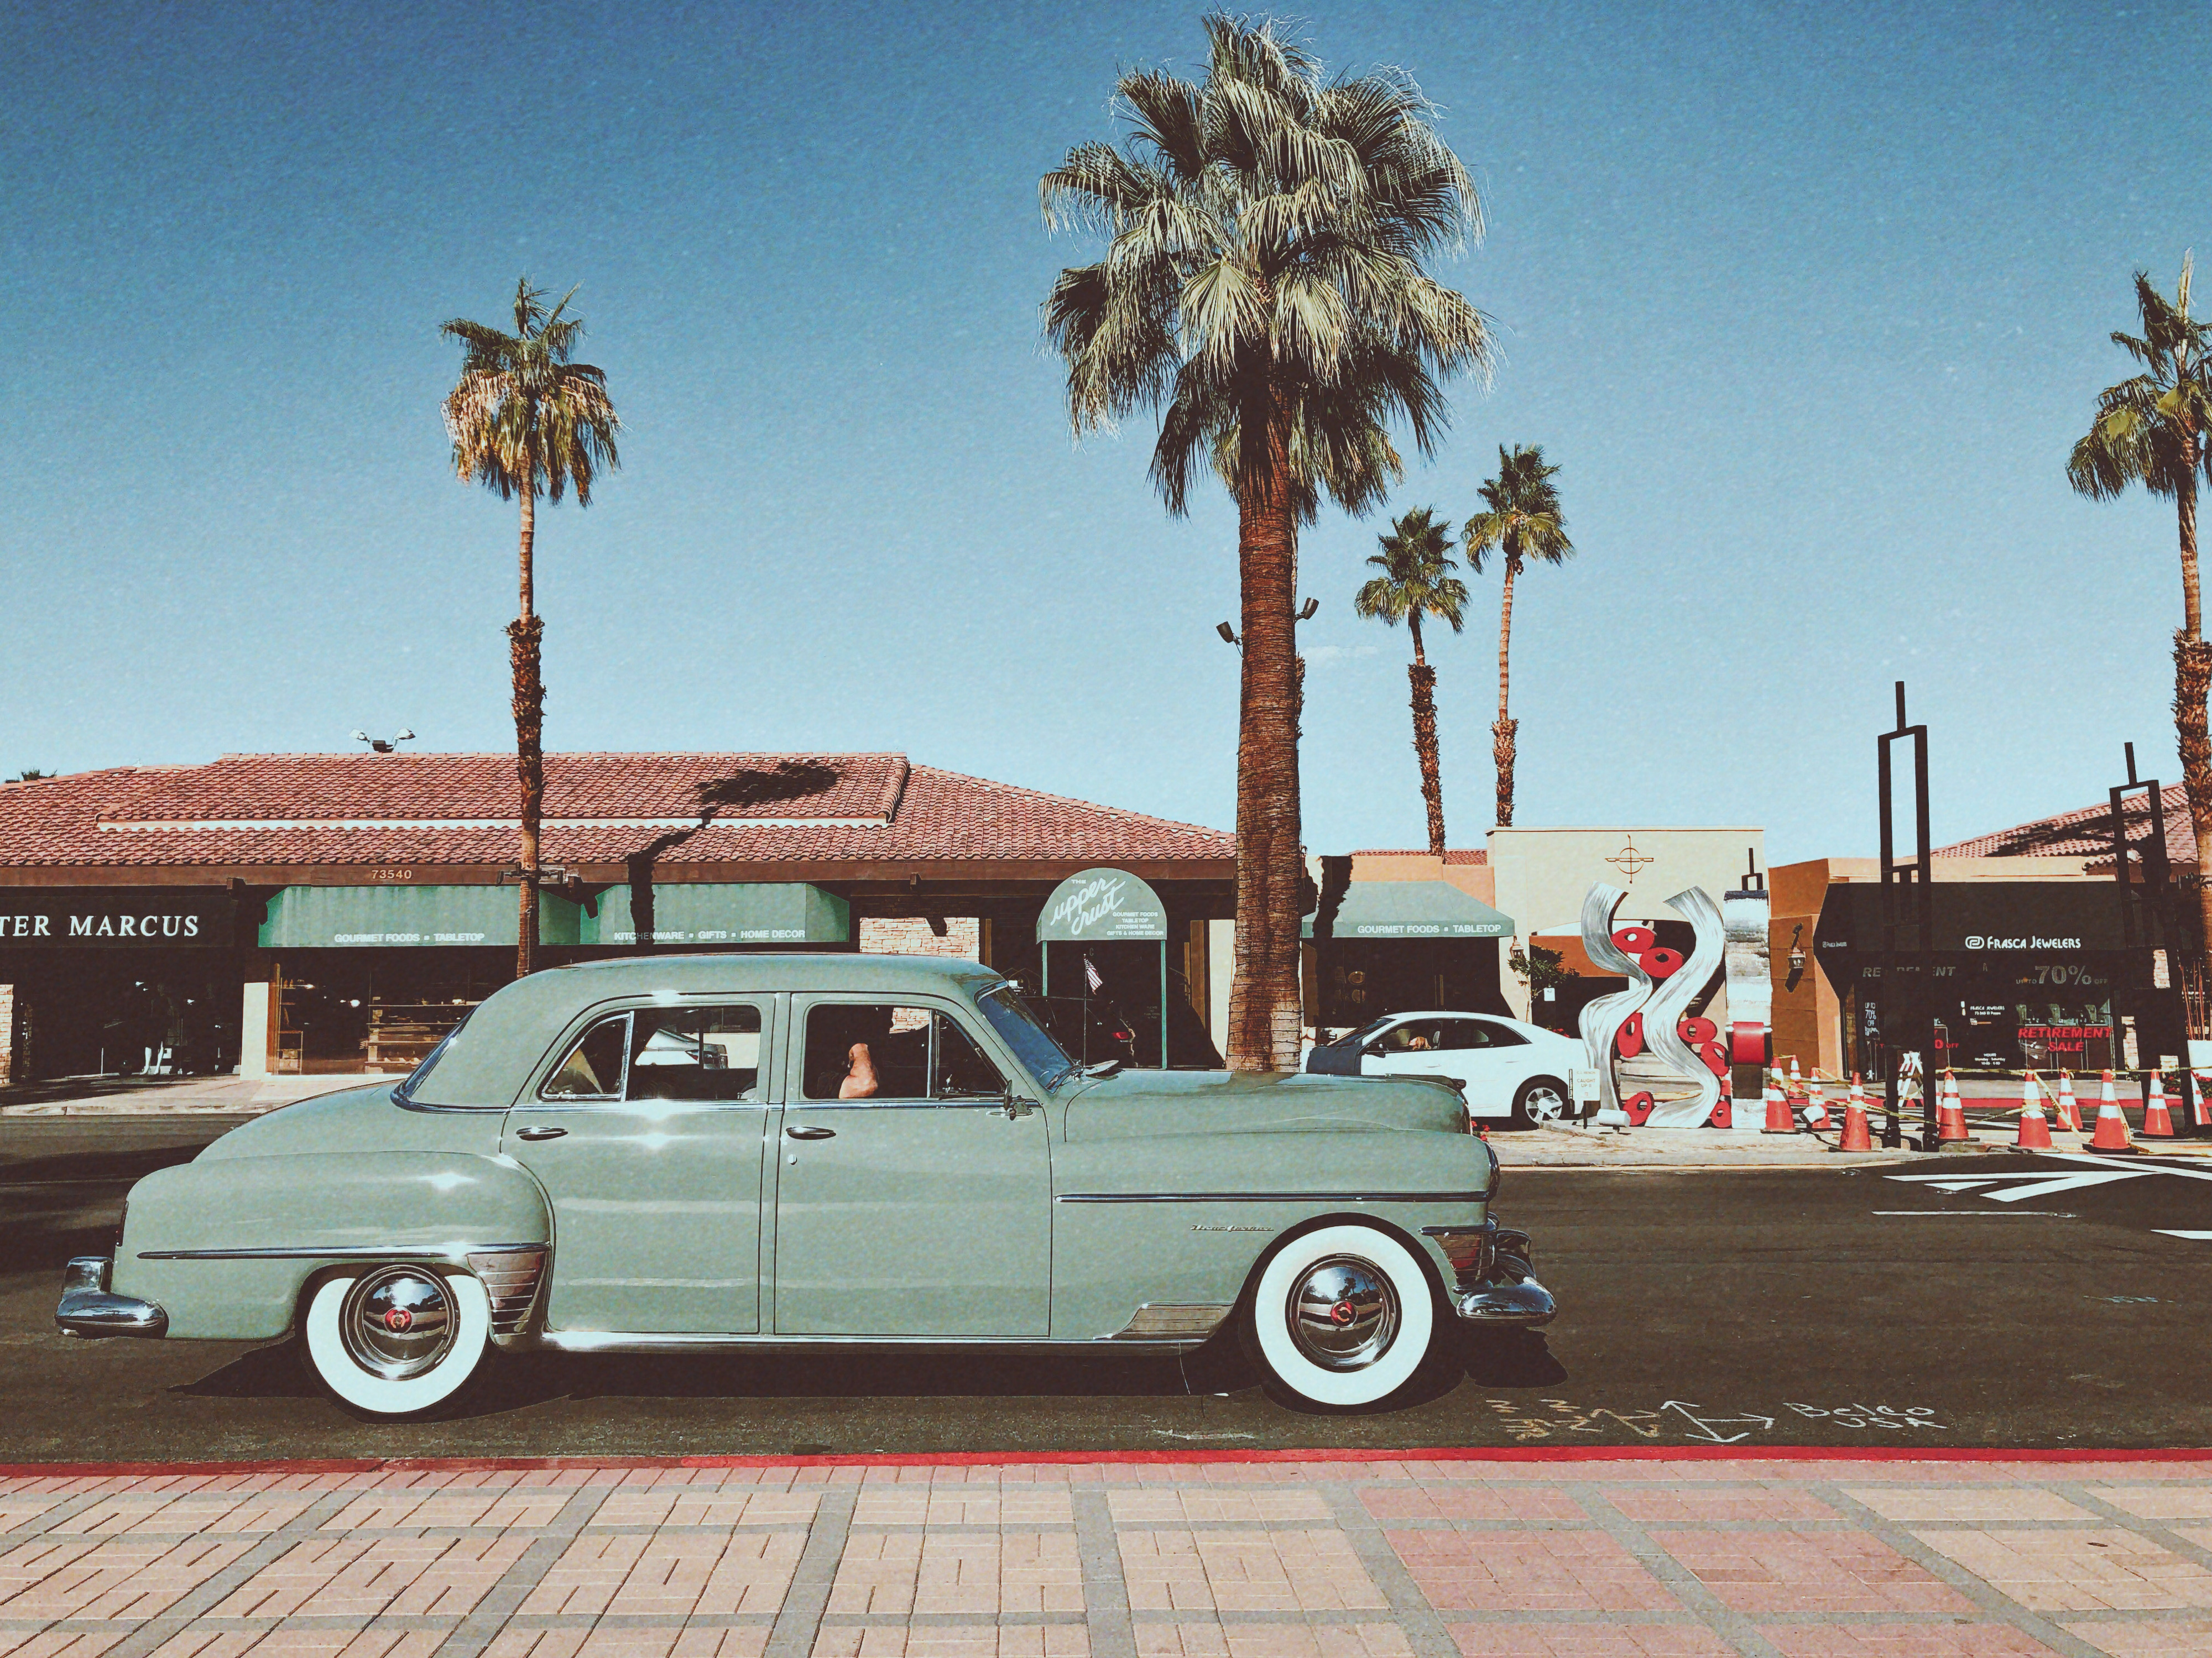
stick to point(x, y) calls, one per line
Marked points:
point(398, 1339)
point(1540, 1100)
point(1343, 1316)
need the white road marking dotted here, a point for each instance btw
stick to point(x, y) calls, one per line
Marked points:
point(2169, 1232)
point(1991, 1214)
point(2025, 1185)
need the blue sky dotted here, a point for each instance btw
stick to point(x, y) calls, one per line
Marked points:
point(1808, 302)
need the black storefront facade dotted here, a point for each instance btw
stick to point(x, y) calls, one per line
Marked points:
point(2046, 975)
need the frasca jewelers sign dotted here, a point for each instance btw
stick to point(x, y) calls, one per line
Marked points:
point(178, 919)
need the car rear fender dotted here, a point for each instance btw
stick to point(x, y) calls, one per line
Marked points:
point(226, 1246)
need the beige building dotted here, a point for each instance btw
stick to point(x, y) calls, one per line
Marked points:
point(1539, 877)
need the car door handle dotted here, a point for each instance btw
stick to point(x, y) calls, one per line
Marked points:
point(809, 1133)
point(542, 1132)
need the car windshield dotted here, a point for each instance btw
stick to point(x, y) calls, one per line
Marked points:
point(1020, 1029)
point(1364, 1032)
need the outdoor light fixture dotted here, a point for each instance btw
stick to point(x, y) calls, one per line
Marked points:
point(1228, 634)
point(1307, 610)
point(383, 744)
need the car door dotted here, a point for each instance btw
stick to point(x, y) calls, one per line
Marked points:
point(647, 1136)
point(911, 1199)
point(1406, 1049)
point(1486, 1057)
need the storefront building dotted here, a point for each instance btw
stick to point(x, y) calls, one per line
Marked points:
point(337, 914)
point(2038, 957)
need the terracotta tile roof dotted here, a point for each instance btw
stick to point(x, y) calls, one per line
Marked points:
point(352, 809)
point(1476, 855)
point(2086, 833)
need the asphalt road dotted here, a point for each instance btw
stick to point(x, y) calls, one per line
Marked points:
point(2036, 1305)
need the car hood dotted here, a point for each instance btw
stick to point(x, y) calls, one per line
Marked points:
point(1138, 1104)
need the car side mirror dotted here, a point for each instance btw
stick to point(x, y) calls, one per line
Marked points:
point(1373, 1050)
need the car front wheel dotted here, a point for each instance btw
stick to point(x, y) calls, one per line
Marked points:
point(397, 1340)
point(1538, 1100)
point(1343, 1316)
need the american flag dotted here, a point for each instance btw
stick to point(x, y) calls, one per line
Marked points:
point(1090, 973)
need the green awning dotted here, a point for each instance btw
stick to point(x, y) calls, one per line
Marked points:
point(718, 912)
point(1414, 909)
point(347, 917)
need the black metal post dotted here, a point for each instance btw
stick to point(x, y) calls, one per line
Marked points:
point(2148, 926)
point(1909, 1016)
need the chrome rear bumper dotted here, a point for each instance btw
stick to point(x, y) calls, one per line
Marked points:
point(1498, 1286)
point(88, 1309)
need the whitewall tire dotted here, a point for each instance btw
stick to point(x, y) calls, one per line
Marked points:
point(1343, 1316)
point(396, 1340)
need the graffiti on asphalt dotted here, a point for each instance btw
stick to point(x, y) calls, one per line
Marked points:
point(1552, 1418)
point(1878, 1416)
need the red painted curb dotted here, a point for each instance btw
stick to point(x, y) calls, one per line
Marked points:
point(1043, 1459)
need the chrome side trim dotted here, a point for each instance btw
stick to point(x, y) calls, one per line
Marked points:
point(454, 1253)
point(510, 1277)
point(88, 1309)
point(1268, 1196)
point(635, 1341)
point(1169, 1320)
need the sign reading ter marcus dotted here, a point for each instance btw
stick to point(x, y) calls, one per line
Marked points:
point(180, 918)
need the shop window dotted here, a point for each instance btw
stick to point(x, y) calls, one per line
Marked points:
point(877, 1051)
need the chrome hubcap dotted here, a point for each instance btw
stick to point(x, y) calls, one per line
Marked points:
point(1544, 1105)
point(1343, 1314)
point(397, 1321)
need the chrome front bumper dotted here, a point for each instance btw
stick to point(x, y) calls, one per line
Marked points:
point(88, 1309)
point(1499, 1285)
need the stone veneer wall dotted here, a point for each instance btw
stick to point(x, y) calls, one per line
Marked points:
point(887, 936)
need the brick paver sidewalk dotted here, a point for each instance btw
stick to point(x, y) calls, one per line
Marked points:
point(1320, 1558)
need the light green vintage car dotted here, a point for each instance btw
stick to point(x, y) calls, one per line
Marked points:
point(690, 1153)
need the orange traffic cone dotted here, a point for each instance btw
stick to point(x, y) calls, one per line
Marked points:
point(2203, 1105)
point(1816, 1108)
point(1857, 1136)
point(2156, 1124)
point(2034, 1132)
point(2112, 1133)
point(1950, 1112)
point(2069, 1108)
point(1780, 1119)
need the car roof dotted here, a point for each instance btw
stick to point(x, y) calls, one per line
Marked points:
point(508, 1032)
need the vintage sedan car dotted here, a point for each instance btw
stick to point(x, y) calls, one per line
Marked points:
point(1508, 1069)
point(677, 1154)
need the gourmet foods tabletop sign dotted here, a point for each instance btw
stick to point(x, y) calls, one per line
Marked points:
point(61, 918)
point(1102, 904)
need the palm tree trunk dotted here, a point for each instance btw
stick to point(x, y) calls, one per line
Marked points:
point(2192, 675)
point(1265, 1010)
point(1424, 735)
point(1502, 733)
point(525, 635)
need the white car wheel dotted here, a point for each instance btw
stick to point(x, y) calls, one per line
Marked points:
point(397, 1340)
point(1343, 1315)
point(1540, 1100)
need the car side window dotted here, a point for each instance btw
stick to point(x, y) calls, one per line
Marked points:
point(1465, 1033)
point(1498, 1036)
point(884, 1051)
point(695, 1053)
point(594, 1067)
point(1414, 1037)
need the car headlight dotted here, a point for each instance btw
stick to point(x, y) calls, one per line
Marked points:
point(1497, 1175)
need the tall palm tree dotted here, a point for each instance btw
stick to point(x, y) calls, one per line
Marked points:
point(525, 419)
point(1523, 522)
point(1263, 287)
point(2152, 429)
point(1417, 580)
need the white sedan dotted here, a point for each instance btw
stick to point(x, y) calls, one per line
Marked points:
point(1521, 1073)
